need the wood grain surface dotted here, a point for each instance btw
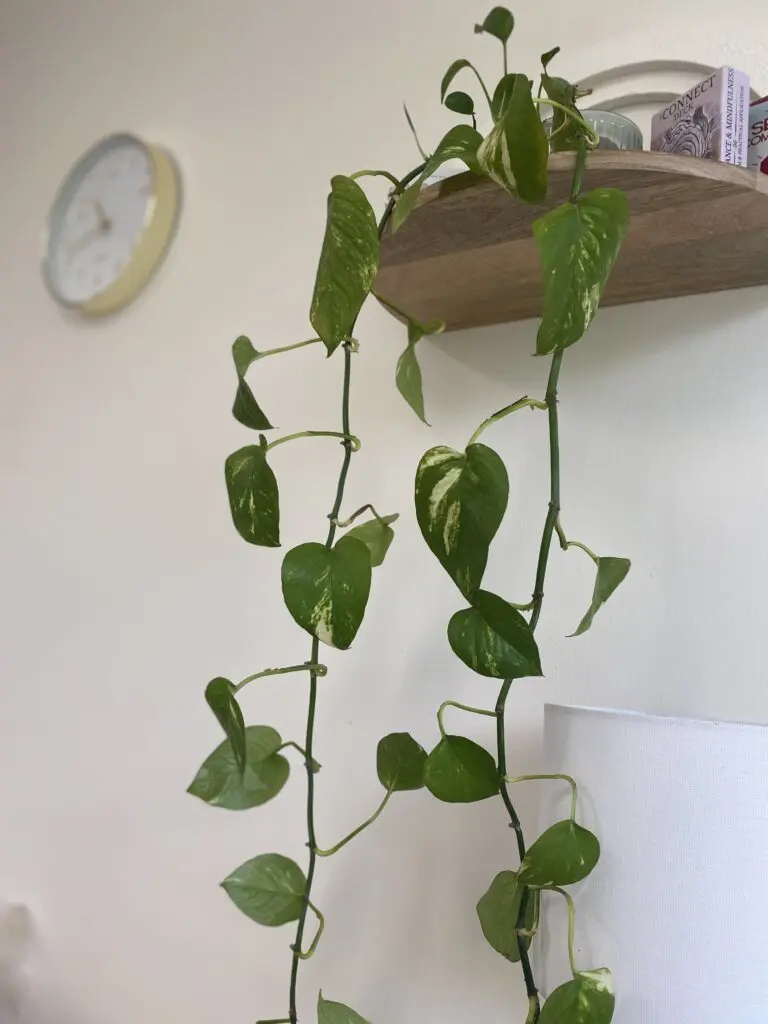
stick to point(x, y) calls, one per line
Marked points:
point(466, 254)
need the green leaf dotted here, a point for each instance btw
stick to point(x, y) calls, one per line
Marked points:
point(587, 999)
point(220, 695)
point(499, 23)
point(460, 502)
point(450, 74)
point(377, 535)
point(348, 264)
point(462, 143)
point(549, 56)
point(459, 771)
point(610, 573)
point(578, 245)
point(562, 855)
point(269, 889)
point(400, 762)
point(336, 1013)
point(246, 409)
point(253, 496)
point(409, 382)
point(499, 909)
point(326, 590)
point(460, 103)
point(515, 153)
point(493, 639)
point(220, 783)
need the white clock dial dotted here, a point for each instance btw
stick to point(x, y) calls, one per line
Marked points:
point(108, 228)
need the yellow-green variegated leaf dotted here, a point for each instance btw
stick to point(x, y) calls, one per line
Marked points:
point(253, 496)
point(459, 143)
point(562, 855)
point(578, 245)
point(348, 264)
point(461, 498)
point(326, 589)
point(515, 152)
point(587, 999)
point(610, 573)
point(269, 889)
point(493, 639)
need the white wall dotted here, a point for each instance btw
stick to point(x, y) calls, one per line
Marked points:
point(125, 587)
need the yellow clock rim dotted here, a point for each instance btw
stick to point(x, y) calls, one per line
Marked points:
point(160, 224)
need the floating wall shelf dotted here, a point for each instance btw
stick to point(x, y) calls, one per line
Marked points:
point(466, 254)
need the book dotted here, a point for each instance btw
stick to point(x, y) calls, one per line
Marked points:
point(757, 159)
point(709, 121)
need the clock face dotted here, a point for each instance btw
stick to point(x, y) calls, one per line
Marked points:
point(98, 219)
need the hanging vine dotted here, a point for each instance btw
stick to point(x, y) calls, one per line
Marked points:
point(461, 498)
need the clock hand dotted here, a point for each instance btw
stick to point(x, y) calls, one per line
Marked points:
point(83, 240)
point(104, 222)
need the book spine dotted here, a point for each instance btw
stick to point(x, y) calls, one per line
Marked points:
point(741, 141)
point(734, 107)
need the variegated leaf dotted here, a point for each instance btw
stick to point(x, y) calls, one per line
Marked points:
point(562, 855)
point(348, 264)
point(493, 639)
point(515, 153)
point(610, 573)
point(269, 889)
point(253, 496)
point(459, 143)
point(460, 502)
point(326, 589)
point(587, 999)
point(578, 246)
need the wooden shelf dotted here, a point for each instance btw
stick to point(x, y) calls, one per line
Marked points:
point(466, 254)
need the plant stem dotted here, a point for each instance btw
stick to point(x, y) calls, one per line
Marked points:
point(320, 928)
point(564, 778)
point(593, 136)
point(287, 348)
point(578, 171)
point(571, 926)
point(379, 174)
point(290, 743)
point(319, 670)
point(312, 704)
point(356, 832)
point(522, 403)
point(461, 707)
point(348, 439)
point(344, 523)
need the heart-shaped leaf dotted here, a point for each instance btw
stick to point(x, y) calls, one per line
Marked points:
point(578, 246)
point(220, 695)
point(326, 590)
point(408, 373)
point(348, 264)
point(493, 639)
point(515, 152)
point(220, 783)
point(460, 103)
point(562, 855)
point(460, 143)
point(499, 23)
point(610, 573)
point(400, 762)
point(246, 409)
point(499, 910)
point(254, 500)
point(459, 771)
point(587, 999)
point(377, 535)
point(269, 889)
point(549, 56)
point(336, 1013)
point(460, 502)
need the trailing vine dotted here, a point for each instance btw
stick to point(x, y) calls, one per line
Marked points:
point(461, 498)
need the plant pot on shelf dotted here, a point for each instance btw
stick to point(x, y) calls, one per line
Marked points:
point(678, 903)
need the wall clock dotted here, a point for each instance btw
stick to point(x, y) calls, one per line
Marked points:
point(110, 224)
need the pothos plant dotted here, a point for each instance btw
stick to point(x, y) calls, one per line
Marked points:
point(461, 498)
